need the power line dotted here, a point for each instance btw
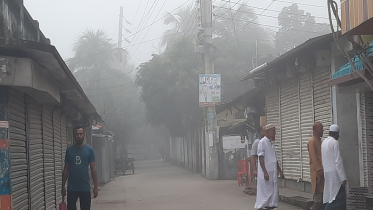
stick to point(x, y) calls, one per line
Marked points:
point(151, 27)
point(273, 27)
point(235, 32)
point(147, 17)
point(247, 12)
point(132, 82)
point(290, 2)
point(108, 77)
point(245, 5)
point(137, 11)
point(134, 35)
point(110, 92)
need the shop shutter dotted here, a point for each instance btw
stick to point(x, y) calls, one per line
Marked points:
point(322, 97)
point(273, 116)
point(364, 98)
point(306, 121)
point(63, 137)
point(290, 138)
point(49, 170)
point(57, 154)
point(369, 138)
point(36, 155)
point(18, 150)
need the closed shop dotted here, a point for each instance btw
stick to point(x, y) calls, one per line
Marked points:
point(302, 101)
point(289, 105)
point(18, 149)
point(49, 170)
point(35, 128)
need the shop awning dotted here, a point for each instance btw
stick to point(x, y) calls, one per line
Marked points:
point(346, 74)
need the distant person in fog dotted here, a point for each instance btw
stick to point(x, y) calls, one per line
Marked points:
point(77, 160)
point(161, 152)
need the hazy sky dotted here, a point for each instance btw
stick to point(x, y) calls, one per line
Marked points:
point(63, 21)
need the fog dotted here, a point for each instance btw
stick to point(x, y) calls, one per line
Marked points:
point(63, 21)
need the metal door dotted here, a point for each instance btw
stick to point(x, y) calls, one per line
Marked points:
point(322, 101)
point(57, 154)
point(18, 150)
point(49, 171)
point(273, 116)
point(306, 121)
point(290, 138)
point(36, 155)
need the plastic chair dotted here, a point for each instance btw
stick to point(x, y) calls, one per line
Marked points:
point(242, 172)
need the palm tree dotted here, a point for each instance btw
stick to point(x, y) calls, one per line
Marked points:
point(183, 24)
point(94, 51)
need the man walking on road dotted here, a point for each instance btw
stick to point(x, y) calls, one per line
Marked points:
point(335, 186)
point(268, 169)
point(317, 171)
point(78, 157)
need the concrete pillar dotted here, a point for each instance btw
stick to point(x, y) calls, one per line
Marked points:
point(5, 177)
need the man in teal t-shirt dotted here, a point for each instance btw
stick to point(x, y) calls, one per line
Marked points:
point(77, 160)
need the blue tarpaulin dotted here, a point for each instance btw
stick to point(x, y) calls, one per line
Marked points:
point(347, 69)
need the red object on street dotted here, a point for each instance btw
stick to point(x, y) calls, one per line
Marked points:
point(243, 172)
point(63, 206)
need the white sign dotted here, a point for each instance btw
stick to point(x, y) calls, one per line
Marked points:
point(4, 124)
point(233, 142)
point(211, 139)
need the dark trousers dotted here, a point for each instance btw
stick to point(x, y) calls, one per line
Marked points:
point(84, 198)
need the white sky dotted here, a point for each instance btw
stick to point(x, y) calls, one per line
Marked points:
point(63, 21)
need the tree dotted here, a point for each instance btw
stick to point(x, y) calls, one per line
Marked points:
point(169, 84)
point(238, 22)
point(296, 28)
point(183, 24)
point(102, 71)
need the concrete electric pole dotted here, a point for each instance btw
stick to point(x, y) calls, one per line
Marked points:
point(120, 34)
point(212, 127)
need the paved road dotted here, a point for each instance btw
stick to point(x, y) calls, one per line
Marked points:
point(161, 186)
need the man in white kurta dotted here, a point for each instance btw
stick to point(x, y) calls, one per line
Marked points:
point(268, 168)
point(335, 176)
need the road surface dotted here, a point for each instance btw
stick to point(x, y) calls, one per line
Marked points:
point(161, 186)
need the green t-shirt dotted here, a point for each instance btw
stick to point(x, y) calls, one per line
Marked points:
point(79, 159)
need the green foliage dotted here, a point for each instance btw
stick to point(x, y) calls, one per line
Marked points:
point(101, 70)
point(296, 28)
point(169, 85)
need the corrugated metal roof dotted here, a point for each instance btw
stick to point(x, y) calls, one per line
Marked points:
point(306, 46)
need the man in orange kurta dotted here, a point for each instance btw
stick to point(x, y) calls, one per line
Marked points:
point(317, 171)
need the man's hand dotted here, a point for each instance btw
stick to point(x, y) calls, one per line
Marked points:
point(266, 176)
point(320, 173)
point(95, 192)
point(255, 173)
point(63, 192)
point(344, 182)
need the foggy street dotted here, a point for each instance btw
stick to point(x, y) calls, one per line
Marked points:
point(161, 186)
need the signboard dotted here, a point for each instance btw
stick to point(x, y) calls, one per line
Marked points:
point(209, 89)
point(232, 142)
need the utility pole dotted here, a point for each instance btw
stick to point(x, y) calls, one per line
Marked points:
point(120, 34)
point(211, 161)
point(256, 53)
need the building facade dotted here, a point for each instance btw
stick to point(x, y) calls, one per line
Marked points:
point(41, 102)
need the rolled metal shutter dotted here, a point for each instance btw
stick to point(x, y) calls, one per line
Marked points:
point(363, 114)
point(369, 137)
point(49, 171)
point(273, 116)
point(322, 98)
point(63, 137)
point(290, 138)
point(306, 121)
point(36, 155)
point(18, 149)
point(57, 154)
